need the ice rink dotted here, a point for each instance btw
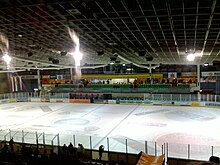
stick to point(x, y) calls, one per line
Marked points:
point(183, 125)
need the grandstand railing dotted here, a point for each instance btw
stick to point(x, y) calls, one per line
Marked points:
point(147, 96)
point(174, 150)
point(126, 145)
point(182, 97)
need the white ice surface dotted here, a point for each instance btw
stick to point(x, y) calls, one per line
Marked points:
point(136, 123)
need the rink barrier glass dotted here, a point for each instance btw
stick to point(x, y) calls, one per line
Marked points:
point(173, 150)
point(147, 97)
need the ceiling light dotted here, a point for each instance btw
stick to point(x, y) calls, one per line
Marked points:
point(113, 58)
point(142, 52)
point(128, 69)
point(63, 53)
point(112, 63)
point(77, 55)
point(100, 52)
point(55, 61)
point(50, 58)
point(123, 64)
point(149, 58)
point(7, 59)
point(190, 57)
point(32, 45)
point(112, 43)
point(206, 64)
point(19, 35)
point(30, 54)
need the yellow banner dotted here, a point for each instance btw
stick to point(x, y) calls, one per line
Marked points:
point(188, 74)
point(103, 76)
point(195, 104)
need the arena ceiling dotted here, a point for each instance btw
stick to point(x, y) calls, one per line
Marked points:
point(141, 32)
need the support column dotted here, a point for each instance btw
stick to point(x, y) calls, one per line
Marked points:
point(150, 71)
point(38, 79)
point(71, 73)
point(198, 82)
point(20, 83)
point(111, 68)
point(16, 83)
point(12, 84)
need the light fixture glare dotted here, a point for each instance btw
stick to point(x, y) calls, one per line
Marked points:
point(7, 59)
point(190, 57)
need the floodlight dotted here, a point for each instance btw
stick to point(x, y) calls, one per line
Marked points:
point(190, 57)
point(7, 59)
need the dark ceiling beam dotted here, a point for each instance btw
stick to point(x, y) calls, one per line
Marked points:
point(94, 42)
point(47, 42)
point(209, 24)
point(128, 50)
point(140, 30)
point(215, 57)
point(184, 27)
point(92, 32)
point(91, 44)
point(134, 22)
point(113, 32)
point(172, 27)
point(120, 54)
point(152, 32)
point(93, 19)
point(161, 29)
point(196, 23)
point(213, 47)
point(122, 22)
point(21, 31)
point(33, 4)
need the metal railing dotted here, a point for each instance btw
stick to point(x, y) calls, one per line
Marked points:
point(183, 97)
point(25, 96)
point(174, 150)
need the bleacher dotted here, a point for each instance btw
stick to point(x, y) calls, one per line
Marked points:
point(32, 154)
point(126, 88)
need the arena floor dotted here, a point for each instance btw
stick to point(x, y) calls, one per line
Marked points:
point(182, 125)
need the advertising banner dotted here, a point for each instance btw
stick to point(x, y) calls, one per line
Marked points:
point(53, 77)
point(172, 75)
point(35, 99)
point(188, 74)
point(181, 103)
point(22, 99)
point(79, 100)
point(12, 100)
point(194, 104)
point(60, 77)
point(111, 101)
point(56, 100)
point(45, 76)
point(43, 100)
point(207, 74)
